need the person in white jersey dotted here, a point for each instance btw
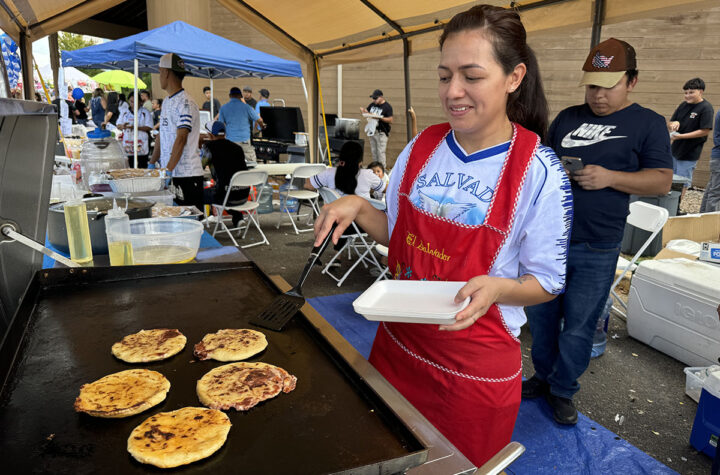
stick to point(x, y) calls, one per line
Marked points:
point(477, 200)
point(177, 149)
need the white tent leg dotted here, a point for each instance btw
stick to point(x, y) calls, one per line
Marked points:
point(212, 101)
point(339, 90)
point(305, 90)
point(135, 115)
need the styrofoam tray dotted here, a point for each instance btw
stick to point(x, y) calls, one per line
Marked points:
point(411, 301)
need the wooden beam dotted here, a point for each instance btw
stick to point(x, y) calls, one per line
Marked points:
point(102, 29)
point(26, 66)
point(54, 61)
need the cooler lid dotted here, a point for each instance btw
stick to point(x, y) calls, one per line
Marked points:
point(700, 276)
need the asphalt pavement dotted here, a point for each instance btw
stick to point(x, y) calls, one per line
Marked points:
point(632, 390)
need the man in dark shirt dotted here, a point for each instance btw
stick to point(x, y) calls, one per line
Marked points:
point(382, 112)
point(247, 97)
point(689, 128)
point(624, 149)
point(225, 158)
point(206, 104)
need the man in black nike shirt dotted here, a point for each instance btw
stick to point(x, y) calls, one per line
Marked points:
point(625, 149)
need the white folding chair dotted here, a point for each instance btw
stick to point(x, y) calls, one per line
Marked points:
point(383, 251)
point(303, 172)
point(649, 218)
point(240, 180)
point(356, 243)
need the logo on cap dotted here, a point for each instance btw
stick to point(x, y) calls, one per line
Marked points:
point(600, 61)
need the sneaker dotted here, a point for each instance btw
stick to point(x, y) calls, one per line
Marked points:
point(534, 387)
point(564, 411)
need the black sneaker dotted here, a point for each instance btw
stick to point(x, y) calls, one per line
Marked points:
point(564, 411)
point(534, 387)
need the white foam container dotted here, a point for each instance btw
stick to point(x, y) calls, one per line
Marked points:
point(411, 301)
point(672, 306)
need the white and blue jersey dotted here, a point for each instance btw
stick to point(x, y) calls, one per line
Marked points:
point(460, 187)
point(179, 111)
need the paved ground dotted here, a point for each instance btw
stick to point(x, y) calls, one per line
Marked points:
point(630, 380)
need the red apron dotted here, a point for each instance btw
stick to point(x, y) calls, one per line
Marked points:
point(467, 382)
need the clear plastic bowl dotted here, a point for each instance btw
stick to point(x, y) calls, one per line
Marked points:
point(164, 240)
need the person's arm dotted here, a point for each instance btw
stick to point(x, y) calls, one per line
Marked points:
point(647, 181)
point(673, 124)
point(695, 134)
point(346, 210)
point(156, 151)
point(308, 185)
point(178, 147)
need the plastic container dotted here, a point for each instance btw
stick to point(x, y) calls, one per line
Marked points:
point(78, 231)
point(265, 194)
point(138, 184)
point(411, 301)
point(600, 336)
point(100, 153)
point(165, 240)
point(117, 229)
point(672, 306)
point(706, 427)
point(694, 379)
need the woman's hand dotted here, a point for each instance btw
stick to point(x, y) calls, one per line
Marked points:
point(483, 291)
point(342, 211)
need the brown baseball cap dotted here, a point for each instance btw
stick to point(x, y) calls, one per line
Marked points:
point(607, 63)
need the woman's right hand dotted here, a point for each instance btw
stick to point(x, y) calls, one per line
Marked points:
point(342, 211)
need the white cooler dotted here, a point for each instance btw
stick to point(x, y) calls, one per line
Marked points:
point(672, 307)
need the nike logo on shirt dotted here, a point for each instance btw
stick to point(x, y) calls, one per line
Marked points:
point(589, 134)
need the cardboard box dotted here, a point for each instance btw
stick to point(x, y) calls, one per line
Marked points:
point(695, 227)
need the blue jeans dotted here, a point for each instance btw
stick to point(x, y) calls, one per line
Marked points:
point(562, 329)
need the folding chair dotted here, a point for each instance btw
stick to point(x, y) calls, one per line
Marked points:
point(356, 243)
point(383, 251)
point(242, 179)
point(649, 218)
point(303, 172)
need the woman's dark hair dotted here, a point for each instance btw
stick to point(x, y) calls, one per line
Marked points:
point(98, 92)
point(527, 104)
point(351, 155)
point(694, 83)
point(122, 98)
point(113, 99)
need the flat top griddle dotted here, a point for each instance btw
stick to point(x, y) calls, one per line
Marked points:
point(61, 338)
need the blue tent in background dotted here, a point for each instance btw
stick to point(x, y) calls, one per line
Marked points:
point(205, 54)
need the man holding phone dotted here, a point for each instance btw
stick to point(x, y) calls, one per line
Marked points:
point(611, 148)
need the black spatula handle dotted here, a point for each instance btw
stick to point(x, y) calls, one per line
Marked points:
point(314, 256)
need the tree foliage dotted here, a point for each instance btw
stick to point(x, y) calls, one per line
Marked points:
point(71, 42)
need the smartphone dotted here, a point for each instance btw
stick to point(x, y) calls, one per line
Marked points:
point(572, 164)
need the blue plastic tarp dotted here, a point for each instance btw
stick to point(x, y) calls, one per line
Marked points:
point(205, 54)
point(586, 448)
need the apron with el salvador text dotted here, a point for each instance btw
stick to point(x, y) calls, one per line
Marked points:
point(466, 383)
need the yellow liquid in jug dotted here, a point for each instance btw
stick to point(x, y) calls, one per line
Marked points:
point(121, 253)
point(78, 233)
point(163, 255)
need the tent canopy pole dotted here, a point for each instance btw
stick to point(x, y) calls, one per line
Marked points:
point(135, 115)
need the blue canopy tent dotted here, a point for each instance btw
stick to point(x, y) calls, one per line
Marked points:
point(205, 54)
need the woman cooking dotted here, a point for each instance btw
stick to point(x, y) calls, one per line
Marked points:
point(477, 200)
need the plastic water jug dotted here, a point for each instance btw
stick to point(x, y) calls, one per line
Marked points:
point(265, 204)
point(291, 204)
point(600, 336)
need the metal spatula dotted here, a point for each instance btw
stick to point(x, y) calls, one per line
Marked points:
point(284, 307)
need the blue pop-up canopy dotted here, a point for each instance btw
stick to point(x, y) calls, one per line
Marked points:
point(205, 54)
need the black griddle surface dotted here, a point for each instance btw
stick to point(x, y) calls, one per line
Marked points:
point(331, 422)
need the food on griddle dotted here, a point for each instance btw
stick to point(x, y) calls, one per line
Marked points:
point(149, 345)
point(230, 345)
point(171, 439)
point(241, 386)
point(122, 394)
